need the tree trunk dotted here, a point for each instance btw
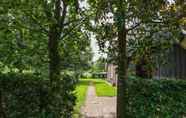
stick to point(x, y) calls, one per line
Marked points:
point(144, 69)
point(2, 110)
point(54, 57)
point(53, 42)
point(122, 101)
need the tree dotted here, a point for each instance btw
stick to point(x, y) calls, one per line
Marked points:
point(55, 31)
point(38, 35)
point(47, 21)
point(158, 39)
point(76, 51)
point(120, 20)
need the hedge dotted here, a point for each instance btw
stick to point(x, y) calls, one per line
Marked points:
point(156, 98)
point(27, 96)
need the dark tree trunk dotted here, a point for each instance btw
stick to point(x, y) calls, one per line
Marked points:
point(53, 43)
point(122, 101)
point(54, 57)
point(143, 69)
point(2, 110)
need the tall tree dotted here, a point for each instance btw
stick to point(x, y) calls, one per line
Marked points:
point(118, 21)
point(38, 35)
point(31, 23)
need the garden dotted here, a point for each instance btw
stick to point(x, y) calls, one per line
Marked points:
point(147, 98)
point(92, 58)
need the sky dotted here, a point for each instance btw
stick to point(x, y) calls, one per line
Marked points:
point(95, 49)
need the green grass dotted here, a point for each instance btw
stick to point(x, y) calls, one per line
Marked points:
point(103, 88)
point(81, 91)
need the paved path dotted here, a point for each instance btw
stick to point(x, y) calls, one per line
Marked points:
point(98, 107)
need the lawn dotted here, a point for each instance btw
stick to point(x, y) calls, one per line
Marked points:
point(80, 91)
point(103, 88)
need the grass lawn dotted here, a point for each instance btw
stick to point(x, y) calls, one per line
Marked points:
point(81, 91)
point(103, 88)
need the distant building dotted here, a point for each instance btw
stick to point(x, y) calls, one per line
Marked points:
point(111, 74)
point(99, 75)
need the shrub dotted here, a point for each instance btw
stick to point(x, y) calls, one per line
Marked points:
point(156, 98)
point(27, 96)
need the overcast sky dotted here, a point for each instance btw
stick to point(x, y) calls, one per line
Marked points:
point(95, 48)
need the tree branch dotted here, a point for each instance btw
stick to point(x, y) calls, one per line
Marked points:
point(29, 28)
point(73, 21)
point(39, 24)
point(71, 29)
point(64, 12)
point(134, 27)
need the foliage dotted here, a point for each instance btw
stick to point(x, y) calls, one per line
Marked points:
point(150, 32)
point(76, 54)
point(45, 38)
point(156, 98)
point(118, 21)
point(22, 39)
point(99, 65)
point(24, 35)
point(149, 98)
point(28, 96)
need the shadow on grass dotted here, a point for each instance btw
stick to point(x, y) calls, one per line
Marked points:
point(94, 81)
point(84, 83)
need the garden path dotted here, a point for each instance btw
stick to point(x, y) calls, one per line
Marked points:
point(98, 107)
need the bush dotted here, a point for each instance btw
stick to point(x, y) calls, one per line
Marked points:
point(156, 98)
point(27, 96)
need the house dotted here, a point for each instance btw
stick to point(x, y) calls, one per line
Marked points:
point(176, 62)
point(175, 66)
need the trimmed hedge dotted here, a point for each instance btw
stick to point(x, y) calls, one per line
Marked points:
point(156, 98)
point(27, 96)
